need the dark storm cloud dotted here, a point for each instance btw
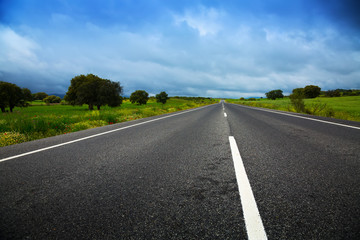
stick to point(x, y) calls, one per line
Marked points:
point(345, 11)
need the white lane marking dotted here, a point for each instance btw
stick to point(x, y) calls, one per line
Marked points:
point(291, 115)
point(254, 226)
point(225, 115)
point(96, 135)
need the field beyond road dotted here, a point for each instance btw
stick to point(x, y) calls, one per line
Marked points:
point(346, 108)
point(41, 120)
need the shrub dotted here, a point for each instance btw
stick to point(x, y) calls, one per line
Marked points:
point(39, 96)
point(317, 108)
point(162, 97)
point(297, 100)
point(139, 97)
point(52, 99)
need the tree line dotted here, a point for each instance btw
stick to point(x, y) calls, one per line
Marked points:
point(297, 96)
point(310, 91)
point(12, 96)
point(84, 89)
point(95, 91)
point(341, 92)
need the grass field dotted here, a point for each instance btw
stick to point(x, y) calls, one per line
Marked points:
point(41, 120)
point(347, 108)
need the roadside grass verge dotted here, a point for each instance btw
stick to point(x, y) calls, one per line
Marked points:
point(41, 120)
point(347, 108)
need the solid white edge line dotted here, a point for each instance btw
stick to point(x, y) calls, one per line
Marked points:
point(96, 135)
point(254, 226)
point(291, 115)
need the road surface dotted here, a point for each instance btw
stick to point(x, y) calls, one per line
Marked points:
point(176, 177)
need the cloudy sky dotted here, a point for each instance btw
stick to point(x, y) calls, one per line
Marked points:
point(223, 48)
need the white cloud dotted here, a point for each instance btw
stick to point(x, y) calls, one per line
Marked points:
point(17, 51)
point(207, 21)
point(241, 59)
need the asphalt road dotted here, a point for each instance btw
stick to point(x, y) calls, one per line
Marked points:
point(174, 178)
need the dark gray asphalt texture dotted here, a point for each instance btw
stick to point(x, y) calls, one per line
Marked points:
point(174, 179)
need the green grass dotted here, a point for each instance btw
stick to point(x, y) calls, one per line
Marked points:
point(347, 108)
point(41, 120)
point(37, 103)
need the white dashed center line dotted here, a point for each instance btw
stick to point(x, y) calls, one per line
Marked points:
point(254, 226)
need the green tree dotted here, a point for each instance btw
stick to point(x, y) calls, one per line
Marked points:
point(139, 97)
point(299, 92)
point(312, 91)
point(27, 94)
point(40, 96)
point(94, 91)
point(52, 99)
point(110, 94)
point(162, 97)
point(26, 97)
point(10, 96)
point(274, 94)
